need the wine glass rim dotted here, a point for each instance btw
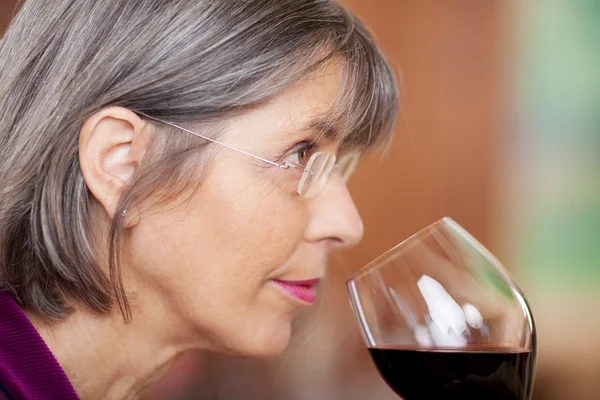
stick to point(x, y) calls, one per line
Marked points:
point(448, 221)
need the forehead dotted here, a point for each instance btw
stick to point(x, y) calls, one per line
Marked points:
point(305, 106)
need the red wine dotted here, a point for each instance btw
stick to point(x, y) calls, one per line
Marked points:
point(456, 374)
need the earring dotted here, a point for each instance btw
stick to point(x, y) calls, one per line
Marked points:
point(129, 219)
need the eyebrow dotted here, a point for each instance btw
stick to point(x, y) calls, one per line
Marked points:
point(328, 131)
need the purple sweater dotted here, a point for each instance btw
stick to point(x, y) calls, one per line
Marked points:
point(28, 370)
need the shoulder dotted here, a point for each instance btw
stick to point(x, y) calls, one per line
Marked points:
point(16, 341)
point(28, 368)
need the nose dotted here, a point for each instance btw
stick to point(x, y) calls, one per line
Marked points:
point(333, 217)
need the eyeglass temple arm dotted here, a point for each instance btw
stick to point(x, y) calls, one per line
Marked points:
point(283, 166)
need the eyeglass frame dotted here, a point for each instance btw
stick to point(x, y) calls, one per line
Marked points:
point(351, 157)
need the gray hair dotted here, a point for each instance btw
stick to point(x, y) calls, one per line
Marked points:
point(186, 61)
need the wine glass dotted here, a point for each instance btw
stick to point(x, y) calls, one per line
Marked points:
point(443, 319)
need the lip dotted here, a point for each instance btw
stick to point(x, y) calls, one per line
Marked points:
point(305, 291)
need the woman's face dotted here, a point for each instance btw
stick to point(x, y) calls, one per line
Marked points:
point(223, 264)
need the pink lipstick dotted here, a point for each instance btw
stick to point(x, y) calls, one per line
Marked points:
point(305, 291)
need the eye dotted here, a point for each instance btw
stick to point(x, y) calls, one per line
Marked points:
point(301, 154)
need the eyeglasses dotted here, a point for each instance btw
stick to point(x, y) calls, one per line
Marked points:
point(315, 174)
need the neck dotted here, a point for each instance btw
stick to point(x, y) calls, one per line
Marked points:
point(107, 358)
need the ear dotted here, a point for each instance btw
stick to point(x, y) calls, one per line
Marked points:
point(112, 143)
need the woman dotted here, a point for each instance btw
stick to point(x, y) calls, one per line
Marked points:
point(172, 177)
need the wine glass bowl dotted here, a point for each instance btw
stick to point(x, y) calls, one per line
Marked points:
point(442, 318)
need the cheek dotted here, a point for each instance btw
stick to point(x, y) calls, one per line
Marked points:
point(260, 223)
point(229, 237)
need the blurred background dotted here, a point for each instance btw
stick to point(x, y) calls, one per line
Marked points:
point(500, 129)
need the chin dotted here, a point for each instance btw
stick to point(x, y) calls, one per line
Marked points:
point(264, 343)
